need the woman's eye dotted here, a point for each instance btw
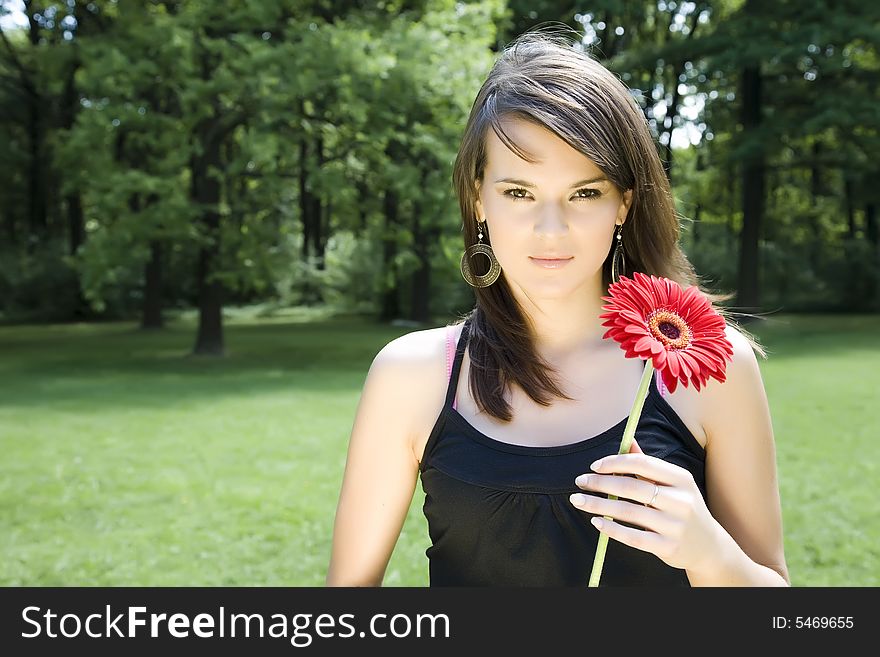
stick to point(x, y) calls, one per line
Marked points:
point(514, 193)
point(592, 193)
point(519, 194)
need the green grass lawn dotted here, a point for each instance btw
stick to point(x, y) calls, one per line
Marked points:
point(127, 462)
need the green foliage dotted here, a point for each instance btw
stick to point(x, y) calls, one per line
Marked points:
point(330, 114)
point(366, 90)
point(352, 273)
point(347, 280)
point(33, 286)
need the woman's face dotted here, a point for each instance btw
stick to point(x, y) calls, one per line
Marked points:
point(562, 205)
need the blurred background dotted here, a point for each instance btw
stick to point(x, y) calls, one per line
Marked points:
point(215, 213)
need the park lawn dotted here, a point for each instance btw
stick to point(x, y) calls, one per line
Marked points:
point(823, 387)
point(126, 462)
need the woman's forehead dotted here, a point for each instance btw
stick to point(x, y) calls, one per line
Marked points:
point(549, 153)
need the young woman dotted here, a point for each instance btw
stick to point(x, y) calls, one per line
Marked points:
point(501, 415)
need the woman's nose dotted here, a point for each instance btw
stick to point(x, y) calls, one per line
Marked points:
point(551, 221)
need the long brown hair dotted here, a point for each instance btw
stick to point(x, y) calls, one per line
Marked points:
point(543, 78)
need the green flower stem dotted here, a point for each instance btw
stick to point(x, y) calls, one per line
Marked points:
point(626, 442)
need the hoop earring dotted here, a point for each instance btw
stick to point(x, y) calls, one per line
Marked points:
point(618, 263)
point(475, 280)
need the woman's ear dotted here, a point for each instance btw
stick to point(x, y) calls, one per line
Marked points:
point(625, 205)
point(478, 205)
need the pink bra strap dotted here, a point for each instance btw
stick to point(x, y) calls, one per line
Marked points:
point(450, 356)
point(661, 386)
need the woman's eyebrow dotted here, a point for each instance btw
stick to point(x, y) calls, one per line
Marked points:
point(525, 183)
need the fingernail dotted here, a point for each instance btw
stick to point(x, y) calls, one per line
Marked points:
point(597, 522)
point(577, 498)
point(582, 480)
point(595, 465)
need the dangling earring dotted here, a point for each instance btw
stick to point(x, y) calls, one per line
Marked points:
point(494, 268)
point(617, 270)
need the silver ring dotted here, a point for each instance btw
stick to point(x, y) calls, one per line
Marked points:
point(654, 496)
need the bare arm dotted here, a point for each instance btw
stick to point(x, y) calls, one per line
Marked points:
point(380, 472)
point(741, 480)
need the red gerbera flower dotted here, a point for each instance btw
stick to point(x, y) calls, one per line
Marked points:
point(679, 330)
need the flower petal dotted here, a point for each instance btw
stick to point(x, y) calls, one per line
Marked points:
point(692, 363)
point(644, 344)
point(683, 364)
point(660, 360)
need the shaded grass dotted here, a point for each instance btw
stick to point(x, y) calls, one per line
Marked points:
point(128, 462)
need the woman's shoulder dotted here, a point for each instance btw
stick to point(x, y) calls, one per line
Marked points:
point(741, 398)
point(419, 350)
point(417, 361)
point(741, 371)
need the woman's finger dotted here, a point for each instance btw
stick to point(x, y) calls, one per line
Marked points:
point(640, 464)
point(647, 541)
point(643, 491)
point(635, 514)
point(635, 449)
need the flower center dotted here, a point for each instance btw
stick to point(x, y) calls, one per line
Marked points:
point(670, 329)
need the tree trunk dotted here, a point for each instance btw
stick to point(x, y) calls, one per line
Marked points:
point(678, 70)
point(309, 206)
point(872, 234)
point(305, 205)
point(206, 195)
point(871, 231)
point(730, 188)
point(421, 279)
point(152, 309)
point(816, 238)
point(671, 112)
point(37, 222)
point(11, 232)
point(73, 200)
point(390, 296)
point(363, 211)
point(850, 207)
point(748, 297)
point(318, 238)
point(69, 110)
point(35, 127)
point(76, 224)
point(75, 221)
point(310, 211)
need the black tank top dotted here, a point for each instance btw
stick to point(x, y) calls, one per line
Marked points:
point(499, 514)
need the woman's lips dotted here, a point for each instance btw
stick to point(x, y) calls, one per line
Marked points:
point(551, 263)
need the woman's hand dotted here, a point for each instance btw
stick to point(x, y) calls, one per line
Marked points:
point(679, 529)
